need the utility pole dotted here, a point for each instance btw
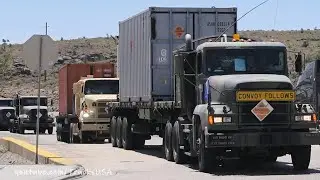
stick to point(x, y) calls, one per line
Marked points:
point(45, 72)
point(47, 28)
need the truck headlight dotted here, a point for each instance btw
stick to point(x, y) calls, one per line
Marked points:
point(86, 115)
point(219, 119)
point(303, 118)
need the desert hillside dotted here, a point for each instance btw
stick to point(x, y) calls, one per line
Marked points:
point(16, 78)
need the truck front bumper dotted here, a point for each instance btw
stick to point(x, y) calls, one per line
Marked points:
point(260, 139)
point(34, 125)
point(96, 124)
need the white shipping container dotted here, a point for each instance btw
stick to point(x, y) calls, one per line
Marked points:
point(146, 42)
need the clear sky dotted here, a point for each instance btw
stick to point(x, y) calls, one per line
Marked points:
point(91, 18)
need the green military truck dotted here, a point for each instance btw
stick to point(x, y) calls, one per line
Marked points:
point(26, 112)
point(215, 99)
point(7, 113)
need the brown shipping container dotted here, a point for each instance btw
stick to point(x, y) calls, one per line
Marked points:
point(68, 75)
point(103, 70)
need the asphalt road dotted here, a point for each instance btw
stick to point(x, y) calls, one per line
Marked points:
point(105, 162)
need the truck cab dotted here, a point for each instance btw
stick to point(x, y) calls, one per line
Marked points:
point(7, 113)
point(26, 111)
point(308, 85)
point(237, 100)
point(89, 101)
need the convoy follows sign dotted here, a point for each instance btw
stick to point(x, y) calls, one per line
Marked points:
point(262, 110)
point(267, 95)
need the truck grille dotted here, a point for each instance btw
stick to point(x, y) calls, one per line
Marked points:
point(6, 115)
point(101, 110)
point(281, 110)
point(33, 115)
point(279, 115)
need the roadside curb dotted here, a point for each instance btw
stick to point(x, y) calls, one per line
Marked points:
point(28, 151)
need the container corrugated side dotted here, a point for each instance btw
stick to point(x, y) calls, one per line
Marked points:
point(68, 75)
point(148, 39)
point(134, 58)
point(63, 74)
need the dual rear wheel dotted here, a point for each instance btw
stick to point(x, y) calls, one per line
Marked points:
point(121, 135)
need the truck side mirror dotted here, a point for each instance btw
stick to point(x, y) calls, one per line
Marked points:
point(298, 63)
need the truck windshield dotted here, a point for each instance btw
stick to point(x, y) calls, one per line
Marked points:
point(6, 103)
point(245, 61)
point(101, 87)
point(33, 101)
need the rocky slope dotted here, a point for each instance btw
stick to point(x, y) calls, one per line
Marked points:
point(16, 78)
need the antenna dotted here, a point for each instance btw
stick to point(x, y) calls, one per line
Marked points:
point(239, 19)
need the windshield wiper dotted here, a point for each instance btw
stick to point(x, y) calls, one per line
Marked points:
point(216, 89)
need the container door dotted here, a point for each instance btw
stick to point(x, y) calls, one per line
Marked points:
point(214, 23)
point(170, 30)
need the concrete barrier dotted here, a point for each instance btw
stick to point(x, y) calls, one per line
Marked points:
point(28, 151)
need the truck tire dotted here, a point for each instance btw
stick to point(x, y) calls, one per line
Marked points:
point(167, 142)
point(205, 159)
point(72, 138)
point(178, 154)
point(119, 132)
point(21, 129)
point(300, 157)
point(50, 130)
point(126, 134)
point(58, 136)
point(113, 133)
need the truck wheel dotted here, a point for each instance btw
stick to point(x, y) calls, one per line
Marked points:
point(119, 132)
point(58, 136)
point(21, 130)
point(168, 142)
point(126, 134)
point(178, 154)
point(113, 133)
point(205, 159)
point(50, 130)
point(300, 157)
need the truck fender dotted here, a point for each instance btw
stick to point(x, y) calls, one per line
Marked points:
point(202, 112)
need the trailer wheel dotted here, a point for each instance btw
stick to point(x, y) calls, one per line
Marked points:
point(205, 158)
point(119, 132)
point(126, 134)
point(178, 154)
point(21, 129)
point(301, 157)
point(168, 142)
point(113, 129)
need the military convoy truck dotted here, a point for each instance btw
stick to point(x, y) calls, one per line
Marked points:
point(7, 113)
point(209, 100)
point(26, 112)
point(84, 90)
point(308, 85)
